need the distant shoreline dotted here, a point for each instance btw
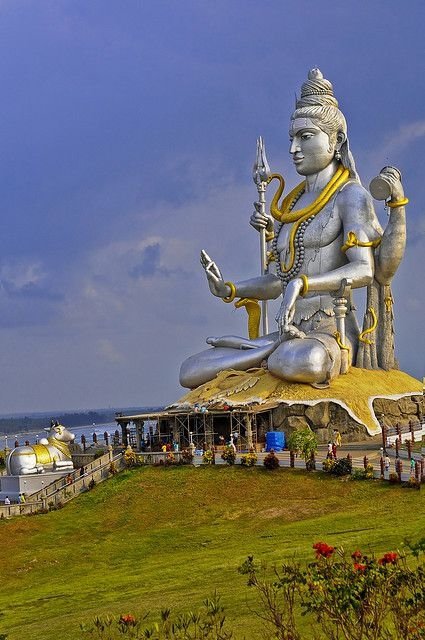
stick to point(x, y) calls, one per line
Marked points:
point(30, 423)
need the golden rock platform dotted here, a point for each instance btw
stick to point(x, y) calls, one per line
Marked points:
point(354, 391)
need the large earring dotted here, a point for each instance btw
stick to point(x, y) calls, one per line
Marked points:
point(337, 155)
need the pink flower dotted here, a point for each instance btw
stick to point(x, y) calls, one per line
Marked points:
point(356, 555)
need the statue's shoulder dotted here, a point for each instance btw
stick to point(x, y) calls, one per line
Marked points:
point(353, 192)
point(354, 200)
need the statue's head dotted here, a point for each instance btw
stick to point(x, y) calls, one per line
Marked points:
point(318, 105)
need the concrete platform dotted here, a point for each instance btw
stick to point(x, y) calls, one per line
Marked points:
point(12, 486)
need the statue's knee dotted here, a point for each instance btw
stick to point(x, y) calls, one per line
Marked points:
point(188, 375)
point(300, 361)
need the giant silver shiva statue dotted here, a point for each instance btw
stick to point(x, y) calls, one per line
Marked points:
point(323, 239)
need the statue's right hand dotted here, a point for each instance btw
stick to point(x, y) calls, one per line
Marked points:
point(215, 279)
point(260, 220)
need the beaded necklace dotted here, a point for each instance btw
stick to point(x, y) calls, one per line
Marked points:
point(286, 276)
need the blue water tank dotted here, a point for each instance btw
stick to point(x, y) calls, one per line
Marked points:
point(275, 440)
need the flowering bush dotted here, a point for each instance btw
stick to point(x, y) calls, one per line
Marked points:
point(187, 456)
point(393, 478)
point(208, 457)
point(357, 597)
point(112, 468)
point(363, 474)
point(342, 467)
point(323, 550)
point(271, 461)
point(328, 464)
point(412, 483)
point(130, 457)
point(229, 455)
point(249, 459)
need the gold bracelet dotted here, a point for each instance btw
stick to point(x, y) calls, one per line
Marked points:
point(397, 203)
point(304, 290)
point(232, 295)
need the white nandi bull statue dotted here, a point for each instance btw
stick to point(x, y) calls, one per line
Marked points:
point(50, 454)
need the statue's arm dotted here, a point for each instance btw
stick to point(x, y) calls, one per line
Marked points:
point(267, 287)
point(393, 242)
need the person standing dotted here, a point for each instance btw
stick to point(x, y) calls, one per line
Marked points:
point(387, 463)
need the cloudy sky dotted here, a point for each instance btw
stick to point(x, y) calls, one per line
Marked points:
point(128, 132)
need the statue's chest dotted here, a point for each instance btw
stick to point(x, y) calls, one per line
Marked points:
point(319, 232)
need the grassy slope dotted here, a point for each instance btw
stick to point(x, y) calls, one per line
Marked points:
point(168, 537)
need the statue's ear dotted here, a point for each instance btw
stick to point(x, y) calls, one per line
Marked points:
point(341, 137)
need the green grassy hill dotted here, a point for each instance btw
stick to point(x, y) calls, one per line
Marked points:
point(155, 537)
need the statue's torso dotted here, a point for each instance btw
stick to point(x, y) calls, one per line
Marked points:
point(323, 239)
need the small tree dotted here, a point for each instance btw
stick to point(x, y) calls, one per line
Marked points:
point(304, 441)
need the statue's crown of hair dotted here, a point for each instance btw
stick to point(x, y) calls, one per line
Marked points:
point(317, 88)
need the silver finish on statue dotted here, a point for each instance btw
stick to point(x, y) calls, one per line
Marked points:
point(380, 187)
point(341, 299)
point(50, 454)
point(306, 346)
point(260, 174)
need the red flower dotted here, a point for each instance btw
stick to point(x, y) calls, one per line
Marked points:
point(356, 555)
point(128, 620)
point(323, 550)
point(359, 567)
point(388, 558)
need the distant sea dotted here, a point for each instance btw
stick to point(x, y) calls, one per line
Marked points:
point(99, 428)
point(88, 430)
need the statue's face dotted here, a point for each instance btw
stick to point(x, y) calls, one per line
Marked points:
point(310, 148)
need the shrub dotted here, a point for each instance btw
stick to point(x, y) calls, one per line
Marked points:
point(208, 457)
point(342, 467)
point(363, 474)
point(393, 478)
point(412, 483)
point(368, 472)
point(271, 461)
point(113, 468)
point(91, 484)
point(187, 456)
point(130, 457)
point(365, 596)
point(303, 441)
point(229, 455)
point(249, 459)
point(328, 464)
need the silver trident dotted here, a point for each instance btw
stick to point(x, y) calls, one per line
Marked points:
point(260, 174)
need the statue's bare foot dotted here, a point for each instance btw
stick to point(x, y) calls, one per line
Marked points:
point(232, 342)
point(292, 332)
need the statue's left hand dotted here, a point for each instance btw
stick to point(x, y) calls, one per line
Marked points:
point(393, 178)
point(286, 312)
point(215, 279)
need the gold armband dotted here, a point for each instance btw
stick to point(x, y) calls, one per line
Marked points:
point(232, 295)
point(304, 290)
point(397, 203)
point(353, 241)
